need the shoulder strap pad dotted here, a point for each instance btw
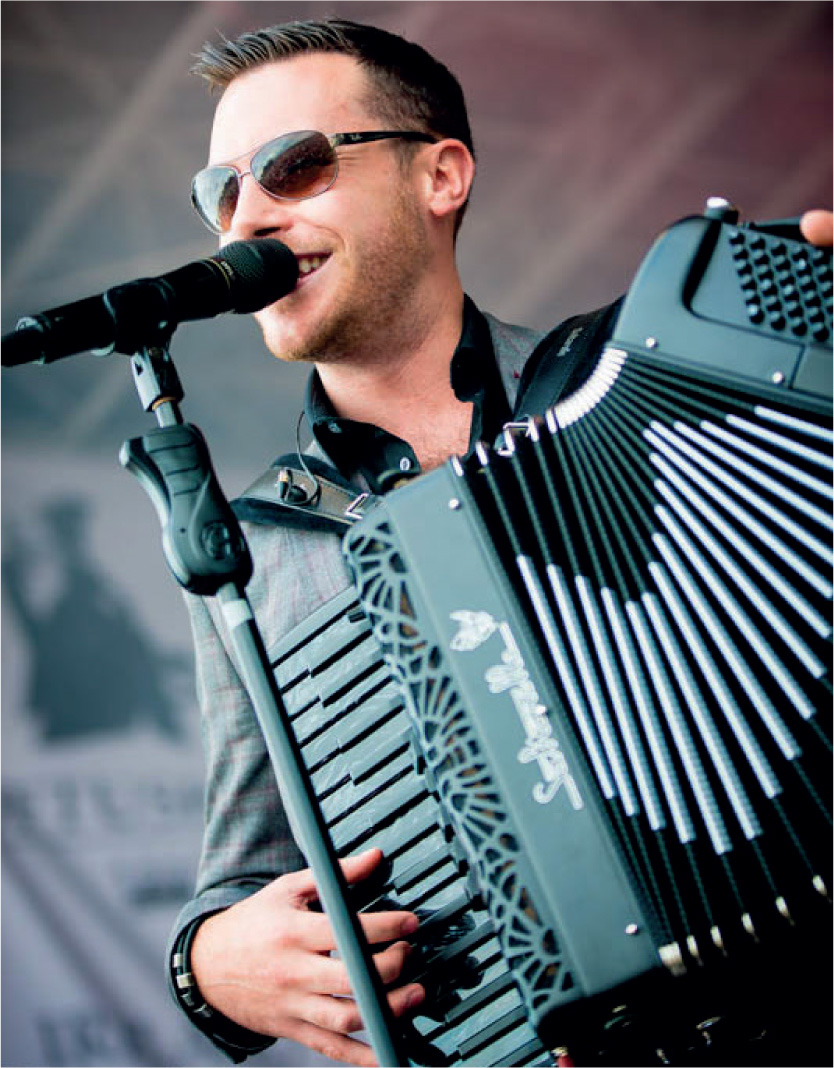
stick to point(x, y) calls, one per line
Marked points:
point(563, 360)
point(314, 497)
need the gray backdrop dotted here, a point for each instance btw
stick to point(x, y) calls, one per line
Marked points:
point(597, 124)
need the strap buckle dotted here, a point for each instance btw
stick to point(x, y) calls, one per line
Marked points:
point(518, 428)
point(354, 509)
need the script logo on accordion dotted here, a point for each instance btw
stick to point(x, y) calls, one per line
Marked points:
point(511, 676)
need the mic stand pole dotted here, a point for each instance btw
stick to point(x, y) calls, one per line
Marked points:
point(207, 554)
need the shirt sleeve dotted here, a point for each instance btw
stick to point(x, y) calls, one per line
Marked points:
point(247, 840)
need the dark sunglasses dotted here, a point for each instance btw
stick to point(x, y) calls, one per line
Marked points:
point(294, 166)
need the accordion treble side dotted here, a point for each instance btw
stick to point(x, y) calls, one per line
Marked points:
point(581, 694)
point(612, 632)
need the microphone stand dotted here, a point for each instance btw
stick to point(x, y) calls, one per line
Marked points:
point(207, 554)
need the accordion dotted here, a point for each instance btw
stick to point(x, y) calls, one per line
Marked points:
point(581, 695)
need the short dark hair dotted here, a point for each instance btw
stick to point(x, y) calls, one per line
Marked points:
point(410, 88)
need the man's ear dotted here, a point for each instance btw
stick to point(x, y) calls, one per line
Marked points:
point(449, 174)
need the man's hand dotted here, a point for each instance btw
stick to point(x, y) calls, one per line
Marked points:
point(817, 227)
point(265, 964)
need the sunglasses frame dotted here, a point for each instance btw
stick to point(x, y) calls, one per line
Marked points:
point(358, 137)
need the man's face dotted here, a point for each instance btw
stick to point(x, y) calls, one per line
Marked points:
point(366, 236)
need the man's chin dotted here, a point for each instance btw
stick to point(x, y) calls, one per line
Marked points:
point(294, 338)
point(290, 355)
point(297, 353)
point(283, 346)
point(319, 348)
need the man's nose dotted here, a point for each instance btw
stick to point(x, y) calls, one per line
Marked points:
point(257, 214)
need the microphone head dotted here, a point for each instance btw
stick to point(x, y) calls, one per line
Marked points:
point(262, 271)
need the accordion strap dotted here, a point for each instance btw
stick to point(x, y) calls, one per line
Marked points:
point(563, 359)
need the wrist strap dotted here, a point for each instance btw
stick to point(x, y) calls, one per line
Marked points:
point(236, 1041)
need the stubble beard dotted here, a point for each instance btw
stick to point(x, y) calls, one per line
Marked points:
point(376, 311)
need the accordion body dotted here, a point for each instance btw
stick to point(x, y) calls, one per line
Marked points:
point(599, 652)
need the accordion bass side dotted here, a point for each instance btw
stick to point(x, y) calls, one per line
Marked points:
point(611, 636)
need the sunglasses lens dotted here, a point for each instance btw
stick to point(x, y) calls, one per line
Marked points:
point(214, 194)
point(293, 167)
point(296, 166)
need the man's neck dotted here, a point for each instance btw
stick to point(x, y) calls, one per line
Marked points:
point(407, 389)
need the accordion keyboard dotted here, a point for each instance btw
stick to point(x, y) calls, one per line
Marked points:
point(356, 740)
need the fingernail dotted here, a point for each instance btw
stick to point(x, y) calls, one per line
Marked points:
point(410, 925)
point(416, 997)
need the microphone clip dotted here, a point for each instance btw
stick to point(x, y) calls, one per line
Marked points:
point(156, 378)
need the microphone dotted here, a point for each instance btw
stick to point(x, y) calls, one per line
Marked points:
point(243, 277)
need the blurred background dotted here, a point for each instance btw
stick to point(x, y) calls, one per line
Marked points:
point(597, 124)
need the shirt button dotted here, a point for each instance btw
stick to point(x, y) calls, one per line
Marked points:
point(405, 464)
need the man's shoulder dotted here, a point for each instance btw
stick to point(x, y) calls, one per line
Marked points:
point(512, 346)
point(524, 353)
point(510, 339)
point(539, 365)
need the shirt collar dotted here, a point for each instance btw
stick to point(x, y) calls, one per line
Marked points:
point(375, 458)
point(474, 350)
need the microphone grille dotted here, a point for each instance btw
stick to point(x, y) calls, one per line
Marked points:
point(262, 272)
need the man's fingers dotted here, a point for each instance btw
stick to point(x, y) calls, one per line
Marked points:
point(342, 1014)
point(312, 930)
point(388, 926)
point(406, 999)
point(331, 1020)
point(336, 1047)
point(390, 962)
point(327, 975)
point(302, 886)
point(817, 227)
point(300, 889)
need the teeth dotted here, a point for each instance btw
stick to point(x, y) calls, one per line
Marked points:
point(309, 263)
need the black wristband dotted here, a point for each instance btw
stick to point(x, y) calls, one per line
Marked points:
point(236, 1041)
